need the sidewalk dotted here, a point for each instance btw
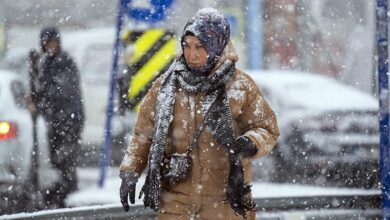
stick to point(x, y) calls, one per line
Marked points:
point(90, 194)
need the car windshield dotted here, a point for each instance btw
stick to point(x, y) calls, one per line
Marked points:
point(314, 92)
point(16, 60)
point(324, 95)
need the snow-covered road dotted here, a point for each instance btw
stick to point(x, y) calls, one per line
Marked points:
point(90, 194)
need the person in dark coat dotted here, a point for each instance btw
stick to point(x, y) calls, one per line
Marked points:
point(59, 100)
point(199, 126)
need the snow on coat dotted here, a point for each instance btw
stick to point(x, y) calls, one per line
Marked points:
point(204, 193)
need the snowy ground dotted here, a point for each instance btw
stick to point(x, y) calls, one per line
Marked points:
point(91, 194)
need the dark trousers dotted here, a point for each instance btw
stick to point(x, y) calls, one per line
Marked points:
point(64, 145)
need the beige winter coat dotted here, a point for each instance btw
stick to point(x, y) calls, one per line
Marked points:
point(203, 195)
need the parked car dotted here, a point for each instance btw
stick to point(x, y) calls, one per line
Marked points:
point(16, 147)
point(329, 131)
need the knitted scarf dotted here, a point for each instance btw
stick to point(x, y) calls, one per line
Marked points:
point(218, 122)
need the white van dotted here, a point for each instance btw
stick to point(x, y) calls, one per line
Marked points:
point(92, 50)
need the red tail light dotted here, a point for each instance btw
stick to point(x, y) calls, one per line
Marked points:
point(7, 130)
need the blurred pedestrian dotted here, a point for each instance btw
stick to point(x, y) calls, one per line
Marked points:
point(58, 98)
point(198, 128)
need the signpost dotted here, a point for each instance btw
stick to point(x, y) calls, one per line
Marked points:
point(154, 14)
point(3, 33)
point(255, 35)
point(3, 39)
point(383, 86)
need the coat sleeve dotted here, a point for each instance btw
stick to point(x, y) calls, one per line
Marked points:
point(258, 121)
point(136, 155)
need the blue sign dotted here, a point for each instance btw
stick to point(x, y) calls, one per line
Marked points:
point(154, 14)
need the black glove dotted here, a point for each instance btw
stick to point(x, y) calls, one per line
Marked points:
point(245, 147)
point(127, 189)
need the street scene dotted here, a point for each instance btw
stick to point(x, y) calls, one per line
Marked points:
point(210, 109)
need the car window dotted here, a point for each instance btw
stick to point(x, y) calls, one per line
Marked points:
point(19, 93)
point(97, 63)
point(272, 100)
point(17, 62)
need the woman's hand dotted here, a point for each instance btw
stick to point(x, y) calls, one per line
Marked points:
point(127, 188)
point(245, 147)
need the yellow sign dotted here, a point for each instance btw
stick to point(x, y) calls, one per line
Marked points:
point(152, 51)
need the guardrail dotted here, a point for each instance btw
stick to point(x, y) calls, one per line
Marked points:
point(306, 207)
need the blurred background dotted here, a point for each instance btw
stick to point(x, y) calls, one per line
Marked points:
point(313, 60)
point(331, 37)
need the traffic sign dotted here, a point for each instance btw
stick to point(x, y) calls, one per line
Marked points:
point(153, 14)
point(153, 50)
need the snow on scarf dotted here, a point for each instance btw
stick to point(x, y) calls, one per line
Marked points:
point(218, 121)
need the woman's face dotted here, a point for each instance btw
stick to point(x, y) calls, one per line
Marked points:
point(194, 52)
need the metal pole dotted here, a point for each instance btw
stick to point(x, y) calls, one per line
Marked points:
point(3, 32)
point(107, 132)
point(383, 86)
point(255, 35)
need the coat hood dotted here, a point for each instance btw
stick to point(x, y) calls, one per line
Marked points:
point(49, 34)
point(212, 29)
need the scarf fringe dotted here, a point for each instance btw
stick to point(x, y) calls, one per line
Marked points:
point(151, 191)
point(220, 126)
point(238, 193)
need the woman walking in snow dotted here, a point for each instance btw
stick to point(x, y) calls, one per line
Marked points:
point(199, 126)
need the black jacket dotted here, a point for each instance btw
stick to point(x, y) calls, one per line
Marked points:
point(59, 93)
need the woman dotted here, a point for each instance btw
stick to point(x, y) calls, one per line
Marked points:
point(207, 109)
